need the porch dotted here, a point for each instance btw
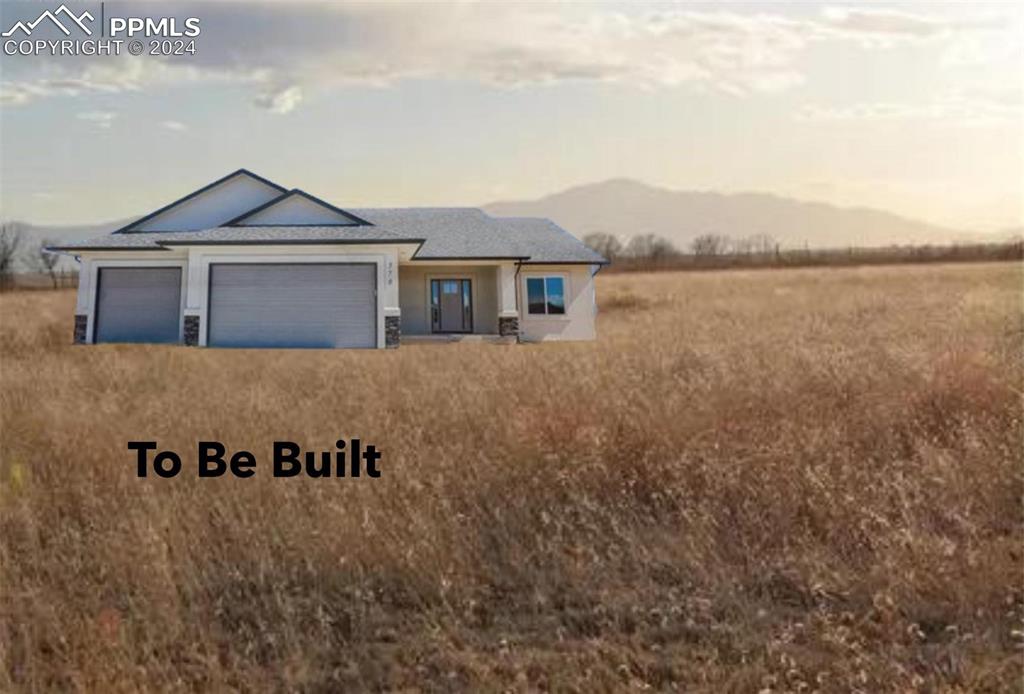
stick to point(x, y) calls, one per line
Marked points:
point(447, 302)
point(494, 339)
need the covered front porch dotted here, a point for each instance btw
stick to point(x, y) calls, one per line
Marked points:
point(448, 302)
point(478, 338)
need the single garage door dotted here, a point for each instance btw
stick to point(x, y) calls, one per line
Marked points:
point(293, 305)
point(138, 304)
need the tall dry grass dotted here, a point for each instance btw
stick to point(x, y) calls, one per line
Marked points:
point(793, 480)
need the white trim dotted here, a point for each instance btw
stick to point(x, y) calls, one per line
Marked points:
point(460, 262)
point(93, 275)
point(566, 293)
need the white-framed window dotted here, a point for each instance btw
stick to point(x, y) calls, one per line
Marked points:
point(545, 295)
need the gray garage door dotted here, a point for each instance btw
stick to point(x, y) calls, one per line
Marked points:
point(138, 304)
point(292, 305)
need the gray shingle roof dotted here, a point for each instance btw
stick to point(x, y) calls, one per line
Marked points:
point(546, 242)
point(456, 232)
point(468, 232)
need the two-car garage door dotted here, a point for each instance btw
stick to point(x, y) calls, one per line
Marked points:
point(292, 305)
point(249, 305)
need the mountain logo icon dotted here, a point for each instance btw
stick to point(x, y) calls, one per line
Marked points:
point(52, 16)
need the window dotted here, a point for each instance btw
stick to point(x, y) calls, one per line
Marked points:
point(545, 295)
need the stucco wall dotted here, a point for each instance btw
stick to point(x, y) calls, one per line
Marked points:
point(580, 309)
point(414, 296)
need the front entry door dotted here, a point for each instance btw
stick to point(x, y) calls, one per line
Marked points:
point(451, 306)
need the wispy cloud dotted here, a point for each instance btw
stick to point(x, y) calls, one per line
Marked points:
point(974, 107)
point(281, 100)
point(333, 46)
point(112, 75)
point(885, 25)
point(174, 125)
point(101, 119)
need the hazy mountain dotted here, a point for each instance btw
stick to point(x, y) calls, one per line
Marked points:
point(627, 208)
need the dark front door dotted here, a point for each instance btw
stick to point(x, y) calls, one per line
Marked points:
point(451, 306)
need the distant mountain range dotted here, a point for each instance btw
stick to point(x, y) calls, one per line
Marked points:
point(627, 208)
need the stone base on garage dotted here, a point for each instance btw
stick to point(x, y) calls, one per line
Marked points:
point(192, 331)
point(81, 327)
point(508, 327)
point(392, 331)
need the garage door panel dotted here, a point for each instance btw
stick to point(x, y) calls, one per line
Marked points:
point(324, 305)
point(138, 305)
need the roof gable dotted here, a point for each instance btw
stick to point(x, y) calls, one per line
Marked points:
point(210, 206)
point(296, 208)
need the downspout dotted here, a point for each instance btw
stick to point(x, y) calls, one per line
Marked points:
point(519, 266)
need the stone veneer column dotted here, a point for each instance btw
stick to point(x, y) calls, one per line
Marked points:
point(81, 327)
point(392, 331)
point(508, 327)
point(192, 331)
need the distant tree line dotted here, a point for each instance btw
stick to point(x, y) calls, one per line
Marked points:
point(650, 247)
point(36, 261)
point(710, 251)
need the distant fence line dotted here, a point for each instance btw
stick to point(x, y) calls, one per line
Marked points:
point(794, 258)
point(61, 279)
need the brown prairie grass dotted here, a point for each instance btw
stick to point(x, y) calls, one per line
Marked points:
point(788, 481)
point(625, 301)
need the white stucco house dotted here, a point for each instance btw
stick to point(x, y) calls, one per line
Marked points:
point(244, 262)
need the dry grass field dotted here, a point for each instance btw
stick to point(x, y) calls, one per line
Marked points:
point(799, 480)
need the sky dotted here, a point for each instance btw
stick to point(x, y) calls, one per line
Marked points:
point(914, 108)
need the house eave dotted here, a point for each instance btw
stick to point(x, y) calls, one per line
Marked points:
point(567, 262)
point(468, 258)
point(299, 242)
point(76, 249)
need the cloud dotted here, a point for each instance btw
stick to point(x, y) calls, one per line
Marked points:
point(973, 107)
point(174, 125)
point(282, 100)
point(111, 75)
point(101, 119)
point(879, 23)
point(285, 51)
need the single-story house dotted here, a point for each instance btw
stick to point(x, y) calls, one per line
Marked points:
point(244, 262)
